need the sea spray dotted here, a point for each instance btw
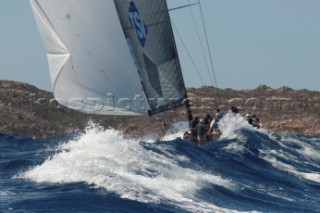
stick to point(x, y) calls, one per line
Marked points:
point(106, 160)
point(247, 170)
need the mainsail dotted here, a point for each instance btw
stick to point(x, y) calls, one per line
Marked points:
point(111, 57)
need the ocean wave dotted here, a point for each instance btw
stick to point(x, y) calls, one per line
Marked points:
point(247, 170)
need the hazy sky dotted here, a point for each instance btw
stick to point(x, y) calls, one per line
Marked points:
point(253, 42)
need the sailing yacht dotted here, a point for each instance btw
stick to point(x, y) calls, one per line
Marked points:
point(113, 57)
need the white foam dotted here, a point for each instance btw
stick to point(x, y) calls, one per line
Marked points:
point(306, 149)
point(309, 152)
point(290, 169)
point(105, 159)
point(230, 125)
point(301, 153)
point(236, 147)
point(5, 193)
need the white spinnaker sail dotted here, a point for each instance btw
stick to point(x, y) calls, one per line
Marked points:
point(93, 60)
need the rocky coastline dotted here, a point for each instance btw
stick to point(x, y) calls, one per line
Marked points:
point(28, 111)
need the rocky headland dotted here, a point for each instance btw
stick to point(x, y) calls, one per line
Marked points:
point(28, 111)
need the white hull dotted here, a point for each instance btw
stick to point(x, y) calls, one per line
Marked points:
point(176, 130)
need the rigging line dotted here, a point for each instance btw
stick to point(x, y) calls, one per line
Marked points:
point(181, 7)
point(209, 51)
point(201, 44)
point(185, 47)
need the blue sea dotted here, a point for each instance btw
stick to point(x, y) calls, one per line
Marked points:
point(98, 170)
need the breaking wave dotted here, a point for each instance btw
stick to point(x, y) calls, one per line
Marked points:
point(247, 170)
